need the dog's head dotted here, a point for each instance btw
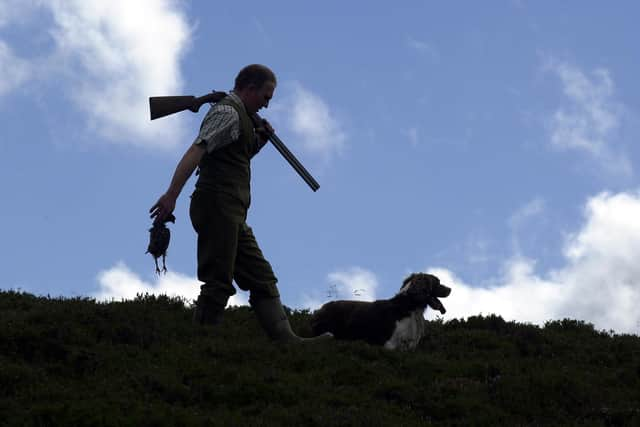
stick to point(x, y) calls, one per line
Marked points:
point(427, 288)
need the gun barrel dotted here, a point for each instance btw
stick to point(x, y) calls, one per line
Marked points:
point(293, 161)
point(289, 157)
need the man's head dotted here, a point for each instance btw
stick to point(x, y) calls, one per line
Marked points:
point(255, 85)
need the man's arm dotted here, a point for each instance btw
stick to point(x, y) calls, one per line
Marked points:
point(167, 202)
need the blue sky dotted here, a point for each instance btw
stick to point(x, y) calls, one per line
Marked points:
point(493, 144)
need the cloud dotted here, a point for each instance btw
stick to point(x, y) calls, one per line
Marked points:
point(522, 216)
point(589, 120)
point(14, 10)
point(123, 52)
point(599, 283)
point(110, 56)
point(14, 71)
point(531, 209)
point(354, 283)
point(119, 282)
point(311, 121)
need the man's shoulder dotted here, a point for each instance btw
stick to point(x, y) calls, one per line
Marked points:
point(223, 108)
point(221, 113)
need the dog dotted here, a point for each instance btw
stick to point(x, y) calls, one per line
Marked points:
point(395, 323)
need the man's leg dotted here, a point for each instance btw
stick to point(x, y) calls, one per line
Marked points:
point(253, 273)
point(217, 246)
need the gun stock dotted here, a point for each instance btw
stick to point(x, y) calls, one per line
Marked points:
point(161, 106)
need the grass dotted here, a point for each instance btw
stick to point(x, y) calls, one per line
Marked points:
point(77, 362)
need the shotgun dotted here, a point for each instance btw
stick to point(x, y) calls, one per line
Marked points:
point(161, 106)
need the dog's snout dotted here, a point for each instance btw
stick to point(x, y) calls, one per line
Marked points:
point(442, 291)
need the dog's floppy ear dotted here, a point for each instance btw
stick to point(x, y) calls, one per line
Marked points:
point(421, 284)
point(408, 279)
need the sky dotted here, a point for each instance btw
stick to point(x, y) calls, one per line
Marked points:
point(493, 144)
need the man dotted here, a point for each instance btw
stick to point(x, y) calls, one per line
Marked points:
point(227, 248)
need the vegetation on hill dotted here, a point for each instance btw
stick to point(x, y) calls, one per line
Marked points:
point(77, 362)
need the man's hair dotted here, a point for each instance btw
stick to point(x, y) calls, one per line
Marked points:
point(254, 74)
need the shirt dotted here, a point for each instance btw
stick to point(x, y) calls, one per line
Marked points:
point(221, 126)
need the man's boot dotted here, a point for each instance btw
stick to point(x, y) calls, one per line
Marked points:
point(207, 311)
point(274, 321)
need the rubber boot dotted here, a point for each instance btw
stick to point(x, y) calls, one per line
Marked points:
point(274, 321)
point(207, 311)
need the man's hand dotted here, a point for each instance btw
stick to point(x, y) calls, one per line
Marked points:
point(264, 131)
point(163, 208)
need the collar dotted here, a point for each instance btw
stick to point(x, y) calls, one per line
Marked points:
point(236, 99)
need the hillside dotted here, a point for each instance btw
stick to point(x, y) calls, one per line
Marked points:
point(75, 362)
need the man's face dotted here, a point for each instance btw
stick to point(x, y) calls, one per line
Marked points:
point(260, 97)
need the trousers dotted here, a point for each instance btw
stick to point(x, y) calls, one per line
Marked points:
point(228, 250)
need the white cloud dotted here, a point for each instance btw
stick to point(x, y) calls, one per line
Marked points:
point(477, 249)
point(124, 52)
point(354, 283)
point(14, 71)
point(312, 122)
point(119, 282)
point(520, 295)
point(599, 283)
point(590, 119)
point(522, 216)
point(531, 209)
point(16, 11)
point(110, 56)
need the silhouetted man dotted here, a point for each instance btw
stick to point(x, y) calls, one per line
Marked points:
point(227, 248)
